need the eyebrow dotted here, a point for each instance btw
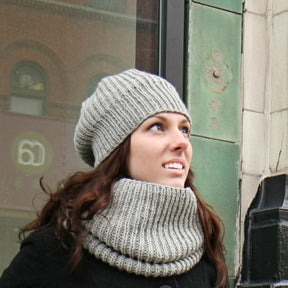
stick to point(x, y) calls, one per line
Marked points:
point(164, 118)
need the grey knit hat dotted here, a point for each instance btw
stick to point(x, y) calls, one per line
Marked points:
point(118, 106)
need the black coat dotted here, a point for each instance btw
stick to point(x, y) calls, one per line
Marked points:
point(43, 262)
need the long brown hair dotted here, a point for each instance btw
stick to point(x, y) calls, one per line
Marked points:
point(213, 228)
point(84, 194)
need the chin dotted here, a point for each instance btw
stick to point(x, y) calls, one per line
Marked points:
point(176, 184)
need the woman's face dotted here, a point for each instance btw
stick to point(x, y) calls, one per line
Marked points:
point(160, 151)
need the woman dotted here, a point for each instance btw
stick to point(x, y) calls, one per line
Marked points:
point(136, 219)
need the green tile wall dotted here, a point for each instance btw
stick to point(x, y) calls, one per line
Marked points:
point(213, 98)
point(214, 72)
point(232, 5)
point(215, 164)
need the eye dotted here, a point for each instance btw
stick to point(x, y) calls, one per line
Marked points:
point(185, 130)
point(156, 127)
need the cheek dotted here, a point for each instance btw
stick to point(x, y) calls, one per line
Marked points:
point(141, 157)
point(137, 167)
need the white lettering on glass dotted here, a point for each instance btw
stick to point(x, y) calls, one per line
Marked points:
point(31, 153)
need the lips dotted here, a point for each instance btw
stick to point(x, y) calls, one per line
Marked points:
point(174, 164)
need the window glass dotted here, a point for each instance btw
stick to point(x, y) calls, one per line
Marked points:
point(28, 76)
point(27, 89)
point(93, 83)
point(26, 105)
point(112, 5)
point(52, 55)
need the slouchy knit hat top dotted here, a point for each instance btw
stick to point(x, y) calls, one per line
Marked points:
point(118, 106)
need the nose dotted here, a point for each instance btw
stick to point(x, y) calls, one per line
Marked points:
point(178, 140)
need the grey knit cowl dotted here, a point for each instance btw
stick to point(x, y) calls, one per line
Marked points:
point(147, 229)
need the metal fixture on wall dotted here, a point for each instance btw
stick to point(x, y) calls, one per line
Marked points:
point(265, 257)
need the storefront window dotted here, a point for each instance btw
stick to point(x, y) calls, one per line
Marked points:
point(52, 55)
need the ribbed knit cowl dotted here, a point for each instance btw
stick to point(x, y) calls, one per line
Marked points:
point(147, 229)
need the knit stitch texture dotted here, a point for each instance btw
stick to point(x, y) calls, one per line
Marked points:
point(119, 105)
point(148, 229)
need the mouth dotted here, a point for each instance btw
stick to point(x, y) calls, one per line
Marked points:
point(174, 165)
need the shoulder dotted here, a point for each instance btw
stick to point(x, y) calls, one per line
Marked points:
point(43, 240)
point(201, 275)
point(41, 253)
point(206, 265)
point(205, 271)
point(41, 244)
point(48, 233)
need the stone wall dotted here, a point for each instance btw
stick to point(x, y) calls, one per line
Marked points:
point(264, 150)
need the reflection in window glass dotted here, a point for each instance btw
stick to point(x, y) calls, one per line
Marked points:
point(26, 105)
point(52, 55)
point(27, 87)
point(112, 5)
point(93, 83)
point(29, 76)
